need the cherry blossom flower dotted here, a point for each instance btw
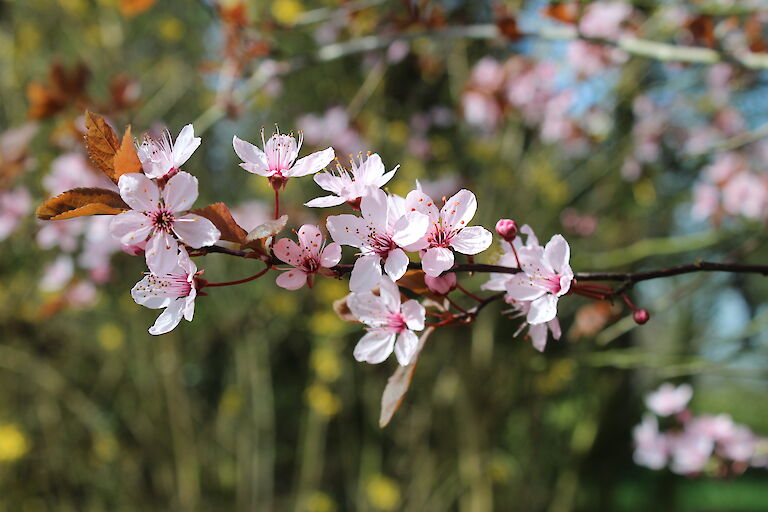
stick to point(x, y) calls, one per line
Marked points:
point(668, 399)
point(351, 186)
point(690, 451)
point(448, 230)
point(309, 257)
point(14, 205)
point(651, 446)
point(156, 215)
point(71, 170)
point(174, 290)
point(278, 160)
point(390, 324)
point(332, 128)
point(57, 274)
point(604, 19)
point(546, 276)
point(381, 234)
point(162, 158)
point(498, 282)
point(537, 332)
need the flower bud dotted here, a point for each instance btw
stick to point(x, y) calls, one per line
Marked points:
point(640, 316)
point(507, 229)
point(441, 285)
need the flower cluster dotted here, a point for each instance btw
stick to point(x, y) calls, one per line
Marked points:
point(690, 444)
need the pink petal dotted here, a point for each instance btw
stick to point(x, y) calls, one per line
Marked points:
point(311, 164)
point(288, 251)
point(250, 154)
point(374, 347)
point(130, 227)
point(414, 314)
point(186, 144)
point(406, 347)
point(347, 229)
point(557, 253)
point(458, 210)
point(472, 240)
point(311, 239)
point(168, 319)
point(520, 287)
point(325, 202)
point(185, 263)
point(162, 253)
point(542, 309)
point(390, 294)
point(180, 193)
point(538, 334)
point(368, 308)
point(365, 274)
point(196, 231)
point(396, 264)
point(410, 228)
point(418, 201)
point(331, 255)
point(256, 169)
point(436, 260)
point(374, 207)
point(291, 280)
point(139, 192)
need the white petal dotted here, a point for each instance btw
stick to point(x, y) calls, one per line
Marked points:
point(414, 314)
point(368, 308)
point(130, 227)
point(418, 201)
point(384, 179)
point(554, 326)
point(162, 253)
point(186, 144)
point(168, 319)
point(390, 294)
point(139, 192)
point(291, 280)
point(311, 164)
point(196, 231)
point(520, 287)
point(538, 334)
point(256, 169)
point(472, 240)
point(406, 347)
point(557, 253)
point(325, 202)
point(396, 264)
point(250, 154)
point(311, 239)
point(365, 274)
point(331, 255)
point(410, 229)
point(329, 182)
point(458, 210)
point(370, 170)
point(180, 193)
point(374, 207)
point(147, 293)
point(347, 229)
point(374, 347)
point(189, 305)
point(436, 260)
point(542, 309)
point(185, 263)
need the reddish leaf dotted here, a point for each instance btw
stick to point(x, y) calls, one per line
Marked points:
point(102, 144)
point(81, 202)
point(507, 26)
point(126, 160)
point(219, 214)
point(131, 8)
point(567, 12)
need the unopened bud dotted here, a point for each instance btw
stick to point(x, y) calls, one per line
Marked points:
point(441, 285)
point(640, 316)
point(507, 229)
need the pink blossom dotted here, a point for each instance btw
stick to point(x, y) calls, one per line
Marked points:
point(449, 230)
point(278, 160)
point(71, 170)
point(538, 333)
point(604, 19)
point(498, 282)
point(746, 194)
point(57, 274)
point(381, 234)
point(98, 248)
point(724, 167)
point(309, 257)
point(487, 75)
point(81, 294)
point(690, 452)
point(546, 276)
point(161, 158)
point(174, 290)
point(332, 128)
point(155, 215)
point(481, 110)
point(63, 234)
point(651, 446)
point(441, 285)
point(669, 399)
point(706, 200)
point(14, 206)
point(390, 324)
point(251, 214)
point(351, 186)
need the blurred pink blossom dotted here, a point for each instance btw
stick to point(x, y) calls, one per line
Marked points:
point(14, 206)
point(605, 19)
point(669, 399)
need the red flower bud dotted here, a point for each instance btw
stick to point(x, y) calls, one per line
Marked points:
point(640, 316)
point(507, 229)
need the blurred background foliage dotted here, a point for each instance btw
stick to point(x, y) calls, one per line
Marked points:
point(258, 404)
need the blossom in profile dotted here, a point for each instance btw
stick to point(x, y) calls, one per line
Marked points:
point(448, 230)
point(309, 257)
point(651, 446)
point(350, 186)
point(278, 159)
point(157, 216)
point(162, 158)
point(174, 291)
point(546, 276)
point(669, 399)
point(390, 324)
point(381, 234)
point(538, 333)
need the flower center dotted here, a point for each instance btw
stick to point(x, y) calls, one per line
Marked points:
point(169, 285)
point(438, 237)
point(381, 245)
point(162, 219)
point(310, 265)
point(396, 323)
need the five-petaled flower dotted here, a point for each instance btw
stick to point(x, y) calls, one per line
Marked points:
point(163, 158)
point(156, 215)
point(390, 324)
point(669, 399)
point(448, 230)
point(350, 186)
point(380, 234)
point(278, 160)
point(175, 291)
point(309, 257)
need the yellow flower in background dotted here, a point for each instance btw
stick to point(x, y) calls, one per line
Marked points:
point(327, 323)
point(231, 401)
point(287, 12)
point(322, 400)
point(105, 447)
point(110, 337)
point(383, 493)
point(171, 29)
point(13, 443)
point(319, 502)
point(326, 364)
